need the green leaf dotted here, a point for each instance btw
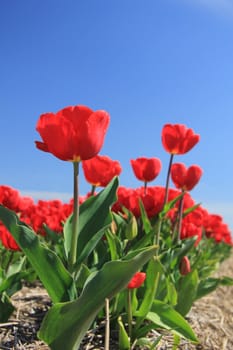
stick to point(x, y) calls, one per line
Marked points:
point(113, 245)
point(83, 275)
point(208, 285)
point(145, 220)
point(55, 278)
point(187, 291)
point(94, 218)
point(171, 292)
point(12, 284)
point(145, 342)
point(124, 340)
point(152, 279)
point(164, 316)
point(6, 307)
point(168, 206)
point(189, 210)
point(226, 281)
point(66, 323)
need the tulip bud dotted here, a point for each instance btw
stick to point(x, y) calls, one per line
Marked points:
point(185, 266)
point(137, 280)
point(131, 229)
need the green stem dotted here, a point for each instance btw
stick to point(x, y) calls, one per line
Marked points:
point(93, 187)
point(75, 222)
point(145, 187)
point(167, 180)
point(157, 235)
point(164, 202)
point(130, 316)
point(180, 217)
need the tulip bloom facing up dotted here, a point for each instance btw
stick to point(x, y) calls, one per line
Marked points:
point(100, 170)
point(178, 139)
point(185, 178)
point(74, 133)
point(146, 169)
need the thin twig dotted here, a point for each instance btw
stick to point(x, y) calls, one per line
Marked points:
point(107, 325)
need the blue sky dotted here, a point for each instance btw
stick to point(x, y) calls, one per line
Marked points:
point(146, 62)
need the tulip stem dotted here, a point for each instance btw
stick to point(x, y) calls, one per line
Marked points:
point(145, 187)
point(157, 238)
point(167, 180)
point(180, 217)
point(93, 187)
point(130, 316)
point(75, 222)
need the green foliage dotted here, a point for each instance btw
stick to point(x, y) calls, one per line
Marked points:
point(94, 219)
point(45, 262)
point(164, 316)
point(66, 323)
point(111, 247)
point(187, 293)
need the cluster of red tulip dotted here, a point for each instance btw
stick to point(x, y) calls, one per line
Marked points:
point(69, 127)
point(146, 221)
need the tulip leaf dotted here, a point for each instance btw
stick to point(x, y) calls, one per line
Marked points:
point(164, 316)
point(151, 283)
point(65, 324)
point(124, 340)
point(208, 285)
point(55, 278)
point(94, 218)
point(6, 307)
point(170, 205)
point(187, 292)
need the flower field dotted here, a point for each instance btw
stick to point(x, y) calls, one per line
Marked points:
point(135, 260)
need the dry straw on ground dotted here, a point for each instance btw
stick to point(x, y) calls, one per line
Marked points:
point(211, 319)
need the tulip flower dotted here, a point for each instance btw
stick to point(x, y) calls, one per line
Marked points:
point(74, 133)
point(100, 170)
point(137, 280)
point(185, 178)
point(178, 139)
point(146, 169)
point(9, 197)
point(7, 240)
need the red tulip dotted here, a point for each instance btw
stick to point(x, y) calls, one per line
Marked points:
point(137, 280)
point(7, 239)
point(130, 198)
point(100, 170)
point(185, 266)
point(178, 139)
point(215, 228)
point(185, 178)
point(74, 133)
point(146, 169)
point(9, 197)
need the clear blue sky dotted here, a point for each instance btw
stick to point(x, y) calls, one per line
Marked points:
point(146, 62)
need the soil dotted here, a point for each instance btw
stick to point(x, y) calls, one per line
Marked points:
point(211, 319)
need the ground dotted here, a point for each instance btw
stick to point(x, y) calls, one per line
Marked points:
point(211, 318)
